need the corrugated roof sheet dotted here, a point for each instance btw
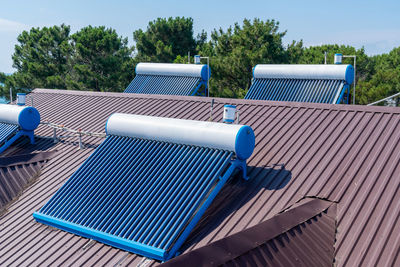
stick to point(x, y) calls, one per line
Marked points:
point(17, 172)
point(303, 235)
point(345, 154)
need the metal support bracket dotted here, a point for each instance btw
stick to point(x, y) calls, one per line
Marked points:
point(241, 164)
point(346, 87)
point(198, 87)
point(20, 133)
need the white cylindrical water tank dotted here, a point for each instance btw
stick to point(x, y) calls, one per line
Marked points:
point(338, 58)
point(304, 71)
point(28, 118)
point(167, 69)
point(229, 113)
point(232, 137)
point(21, 99)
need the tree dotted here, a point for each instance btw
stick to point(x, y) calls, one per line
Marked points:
point(40, 58)
point(237, 50)
point(101, 60)
point(3, 78)
point(384, 79)
point(166, 39)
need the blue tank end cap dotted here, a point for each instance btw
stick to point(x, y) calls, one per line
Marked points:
point(349, 76)
point(245, 142)
point(29, 118)
point(205, 73)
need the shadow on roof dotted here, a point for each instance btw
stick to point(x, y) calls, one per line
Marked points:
point(23, 146)
point(236, 194)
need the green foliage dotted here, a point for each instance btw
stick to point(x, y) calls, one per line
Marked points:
point(3, 78)
point(40, 58)
point(165, 39)
point(101, 60)
point(97, 58)
point(384, 78)
point(237, 50)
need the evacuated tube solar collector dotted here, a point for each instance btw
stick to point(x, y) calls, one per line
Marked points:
point(169, 79)
point(147, 185)
point(301, 83)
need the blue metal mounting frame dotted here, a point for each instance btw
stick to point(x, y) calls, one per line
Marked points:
point(20, 133)
point(346, 88)
point(139, 248)
point(236, 164)
point(132, 246)
point(198, 87)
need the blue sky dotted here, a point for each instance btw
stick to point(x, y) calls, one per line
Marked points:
point(372, 24)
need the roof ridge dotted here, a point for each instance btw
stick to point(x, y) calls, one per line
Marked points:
point(237, 101)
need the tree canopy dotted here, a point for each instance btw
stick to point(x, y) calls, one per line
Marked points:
point(41, 57)
point(383, 78)
point(98, 59)
point(101, 60)
point(237, 50)
point(165, 39)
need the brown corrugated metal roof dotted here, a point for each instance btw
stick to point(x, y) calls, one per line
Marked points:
point(345, 154)
point(17, 172)
point(300, 236)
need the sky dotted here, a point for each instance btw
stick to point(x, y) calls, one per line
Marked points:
point(374, 25)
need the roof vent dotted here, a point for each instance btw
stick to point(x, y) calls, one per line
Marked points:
point(229, 114)
point(338, 58)
point(196, 59)
point(21, 99)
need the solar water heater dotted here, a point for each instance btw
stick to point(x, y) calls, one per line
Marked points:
point(147, 185)
point(301, 83)
point(17, 121)
point(169, 79)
